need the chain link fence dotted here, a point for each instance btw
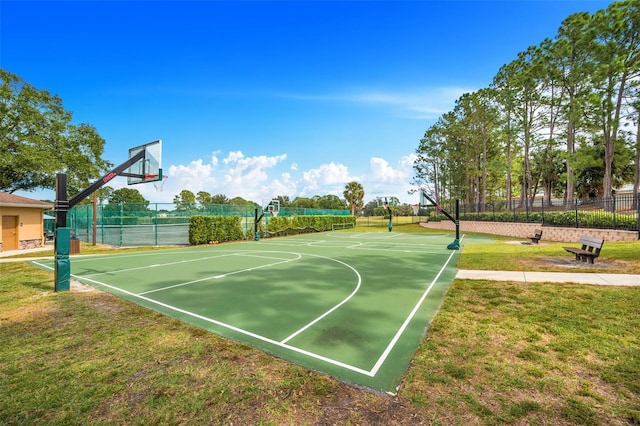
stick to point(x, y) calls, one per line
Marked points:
point(157, 224)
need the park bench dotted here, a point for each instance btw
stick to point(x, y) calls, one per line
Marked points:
point(590, 249)
point(536, 237)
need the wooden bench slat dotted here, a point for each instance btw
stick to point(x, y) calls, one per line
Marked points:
point(590, 249)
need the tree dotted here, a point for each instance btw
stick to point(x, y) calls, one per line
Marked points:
point(127, 195)
point(330, 201)
point(37, 140)
point(185, 201)
point(571, 54)
point(369, 208)
point(304, 203)
point(203, 198)
point(284, 200)
point(239, 201)
point(219, 199)
point(618, 63)
point(104, 194)
point(432, 162)
point(127, 200)
point(578, 90)
point(354, 194)
point(404, 210)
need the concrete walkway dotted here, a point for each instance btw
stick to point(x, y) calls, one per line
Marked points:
point(517, 276)
point(552, 277)
point(35, 252)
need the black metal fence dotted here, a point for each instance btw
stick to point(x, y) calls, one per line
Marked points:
point(618, 212)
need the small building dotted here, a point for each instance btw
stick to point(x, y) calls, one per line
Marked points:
point(22, 225)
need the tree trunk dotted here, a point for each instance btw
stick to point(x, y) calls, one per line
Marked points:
point(636, 183)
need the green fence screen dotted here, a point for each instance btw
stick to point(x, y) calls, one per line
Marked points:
point(144, 224)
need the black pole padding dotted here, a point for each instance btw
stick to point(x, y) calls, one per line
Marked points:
point(61, 205)
point(457, 220)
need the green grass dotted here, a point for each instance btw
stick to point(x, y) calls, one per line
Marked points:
point(540, 353)
point(497, 353)
point(621, 257)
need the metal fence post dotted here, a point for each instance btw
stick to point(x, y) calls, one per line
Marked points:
point(615, 217)
point(638, 214)
point(121, 221)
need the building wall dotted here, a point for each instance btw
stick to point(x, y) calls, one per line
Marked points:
point(30, 226)
point(524, 230)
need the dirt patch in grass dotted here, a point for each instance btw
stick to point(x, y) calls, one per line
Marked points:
point(602, 264)
point(77, 286)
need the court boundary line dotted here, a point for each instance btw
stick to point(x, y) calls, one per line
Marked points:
point(401, 330)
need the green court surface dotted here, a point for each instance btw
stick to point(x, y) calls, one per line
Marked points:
point(352, 305)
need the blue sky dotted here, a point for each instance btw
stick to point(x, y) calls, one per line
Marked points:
point(262, 98)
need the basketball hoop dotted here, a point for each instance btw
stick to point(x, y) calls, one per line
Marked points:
point(157, 180)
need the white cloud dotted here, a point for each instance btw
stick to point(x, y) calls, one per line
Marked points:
point(236, 175)
point(194, 176)
point(247, 173)
point(382, 171)
point(259, 178)
point(383, 179)
point(419, 103)
point(330, 177)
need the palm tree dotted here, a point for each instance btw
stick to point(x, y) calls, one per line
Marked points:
point(354, 194)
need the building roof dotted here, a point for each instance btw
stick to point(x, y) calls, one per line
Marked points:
point(10, 200)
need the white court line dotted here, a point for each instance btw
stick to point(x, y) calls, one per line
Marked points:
point(336, 306)
point(157, 265)
point(93, 257)
point(226, 274)
point(401, 330)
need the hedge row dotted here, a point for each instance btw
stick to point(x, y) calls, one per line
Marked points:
point(278, 226)
point(208, 229)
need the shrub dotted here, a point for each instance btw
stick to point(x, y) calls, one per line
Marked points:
point(205, 229)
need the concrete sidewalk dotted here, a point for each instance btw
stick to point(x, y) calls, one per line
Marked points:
point(551, 277)
point(35, 252)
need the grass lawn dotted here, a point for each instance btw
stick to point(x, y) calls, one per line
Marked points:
point(496, 353)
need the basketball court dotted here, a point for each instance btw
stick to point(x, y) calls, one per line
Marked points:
point(352, 305)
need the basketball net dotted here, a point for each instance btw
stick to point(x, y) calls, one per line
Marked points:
point(159, 184)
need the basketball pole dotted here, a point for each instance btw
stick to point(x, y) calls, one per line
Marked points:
point(62, 243)
point(455, 245)
point(390, 226)
point(256, 223)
